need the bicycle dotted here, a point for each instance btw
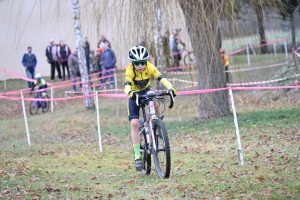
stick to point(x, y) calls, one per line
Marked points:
point(35, 105)
point(157, 142)
point(189, 58)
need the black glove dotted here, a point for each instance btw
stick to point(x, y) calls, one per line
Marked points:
point(132, 95)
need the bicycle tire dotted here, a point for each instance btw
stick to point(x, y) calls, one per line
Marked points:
point(161, 154)
point(189, 59)
point(33, 107)
point(146, 156)
point(45, 104)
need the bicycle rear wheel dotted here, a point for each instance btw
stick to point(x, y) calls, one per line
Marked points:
point(161, 154)
point(34, 107)
point(45, 104)
point(146, 156)
point(189, 59)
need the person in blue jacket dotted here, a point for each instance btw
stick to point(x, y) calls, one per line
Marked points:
point(29, 61)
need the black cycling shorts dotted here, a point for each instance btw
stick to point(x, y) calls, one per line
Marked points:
point(133, 109)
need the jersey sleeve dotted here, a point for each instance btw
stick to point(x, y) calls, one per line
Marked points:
point(159, 76)
point(226, 60)
point(128, 79)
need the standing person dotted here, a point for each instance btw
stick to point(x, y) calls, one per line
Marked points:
point(102, 42)
point(74, 65)
point(108, 64)
point(62, 54)
point(225, 62)
point(137, 79)
point(29, 61)
point(143, 42)
point(166, 46)
point(51, 50)
point(175, 45)
point(87, 51)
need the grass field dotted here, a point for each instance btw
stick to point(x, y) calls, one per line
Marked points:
point(64, 161)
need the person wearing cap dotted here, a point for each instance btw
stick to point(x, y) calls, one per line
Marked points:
point(97, 63)
point(29, 61)
point(225, 62)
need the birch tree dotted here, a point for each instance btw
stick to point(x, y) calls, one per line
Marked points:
point(89, 101)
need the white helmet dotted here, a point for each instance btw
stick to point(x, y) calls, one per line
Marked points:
point(137, 53)
point(37, 76)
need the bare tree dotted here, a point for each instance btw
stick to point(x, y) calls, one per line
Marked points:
point(158, 44)
point(89, 102)
point(202, 20)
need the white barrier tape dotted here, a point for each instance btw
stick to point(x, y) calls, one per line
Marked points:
point(260, 67)
point(262, 82)
point(183, 81)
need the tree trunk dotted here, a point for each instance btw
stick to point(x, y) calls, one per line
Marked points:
point(202, 20)
point(89, 102)
point(261, 31)
point(292, 23)
point(158, 43)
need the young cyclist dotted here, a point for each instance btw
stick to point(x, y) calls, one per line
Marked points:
point(41, 83)
point(137, 79)
point(225, 61)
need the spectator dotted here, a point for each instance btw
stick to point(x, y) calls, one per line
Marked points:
point(108, 60)
point(143, 42)
point(86, 47)
point(175, 44)
point(51, 50)
point(29, 61)
point(97, 63)
point(62, 54)
point(166, 46)
point(102, 42)
point(74, 65)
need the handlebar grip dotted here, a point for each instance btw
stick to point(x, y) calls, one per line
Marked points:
point(171, 100)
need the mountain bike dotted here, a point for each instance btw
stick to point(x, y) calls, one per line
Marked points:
point(35, 105)
point(154, 135)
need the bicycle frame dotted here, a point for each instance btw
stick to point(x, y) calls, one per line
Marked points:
point(151, 116)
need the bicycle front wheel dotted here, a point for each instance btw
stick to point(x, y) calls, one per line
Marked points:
point(45, 104)
point(161, 152)
point(33, 109)
point(146, 156)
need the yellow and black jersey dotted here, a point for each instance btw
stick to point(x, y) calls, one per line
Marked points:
point(139, 81)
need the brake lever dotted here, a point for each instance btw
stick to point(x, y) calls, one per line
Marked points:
point(137, 99)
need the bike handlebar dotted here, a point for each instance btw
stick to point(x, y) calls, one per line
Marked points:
point(152, 95)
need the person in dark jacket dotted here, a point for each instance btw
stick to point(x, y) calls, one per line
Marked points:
point(62, 54)
point(29, 61)
point(51, 50)
point(109, 60)
point(74, 65)
point(87, 51)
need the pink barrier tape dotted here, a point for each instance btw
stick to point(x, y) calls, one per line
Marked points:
point(245, 40)
point(262, 82)
point(180, 93)
point(255, 46)
point(265, 88)
point(180, 73)
point(19, 76)
point(260, 67)
point(184, 81)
